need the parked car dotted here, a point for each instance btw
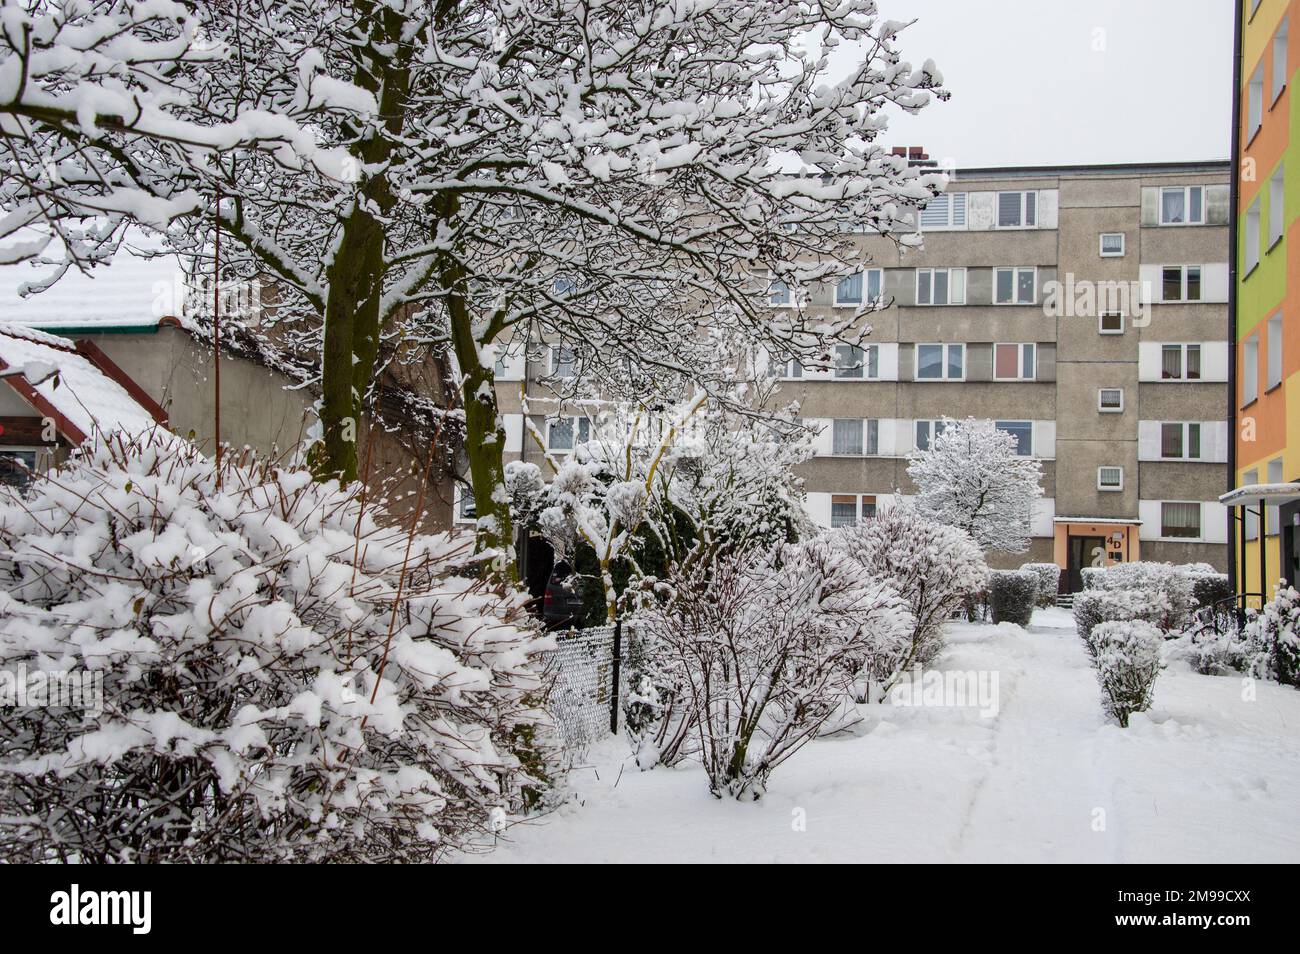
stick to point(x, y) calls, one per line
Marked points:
point(562, 605)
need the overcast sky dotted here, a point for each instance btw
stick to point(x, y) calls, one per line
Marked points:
point(1043, 82)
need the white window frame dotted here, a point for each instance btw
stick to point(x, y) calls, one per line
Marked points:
point(1023, 218)
point(557, 362)
point(579, 424)
point(859, 507)
point(1200, 523)
point(1255, 102)
point(1101, 323)
point(862, 436)
point(1015, 271)
point(1185, 440)
point(769, 282)
point(458, 515)
point(1101, 244)
point(946, 346)
point(1250, 247)
point(1279, 75)
point(930, 432)
point(1250, 369)
point(1187, 191)
point(32, 449)
point(1109, 488)
point(787, 370)
point(953, 209)
point(1101, 405)
point(867, 297)
point(952, 300)
point(1273, 354)
point(1021, 348)
point(1032, 433)
point(1184, 349)
point(1276, 207)
point(870, 359)
point(1184, 276)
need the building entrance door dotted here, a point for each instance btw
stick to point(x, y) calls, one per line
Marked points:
point(1083, 551)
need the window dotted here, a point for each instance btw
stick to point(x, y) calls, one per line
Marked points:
point(17, 467)
point(778, 294)
point(565, 285)
point(1182, 205)
point(940, 362)
point(1250, 370)
point(1110, 478)
point(945, 211)
point(1013, 362)
point(1017, 210)
point(846, 437)
point(1112, 244)
point(1110, 323)
point(1273, 375)
point(1255, 103)
point(855, 362)
point(501, 368)
point(792, 369)
point(1279, 62)
point(1180, 440)
point(926, 431)
point(561, 432)
point(1180, 362)
point(562, 362)
point(1023, 432)
point(1014, 286)
point(849, 290)
point(941, 286)
point(1110, 400)
point(847, 509)
point(1251, 245)
point(1273, 522)
point(1180, 520)
point(1251, 518)
point(1276, 206)
point(1181, 283)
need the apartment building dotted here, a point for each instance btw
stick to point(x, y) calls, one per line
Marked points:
point(1266, 303)
point(1082, 308)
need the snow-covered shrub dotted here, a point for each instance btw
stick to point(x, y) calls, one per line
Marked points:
point(935, 568)
point(284, 677)
point(1272, 638)
point(1126, 656)
point(1211, 651)
point(1012, 595)
point(1049, 581)
point(1172, 582)
point(1093, 607)
point(1209, 590)
point(767, 646)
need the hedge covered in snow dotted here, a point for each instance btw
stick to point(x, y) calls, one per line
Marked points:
point(1049, 581)
point(1126, 656)
point(1012, 595)
point(283, 678)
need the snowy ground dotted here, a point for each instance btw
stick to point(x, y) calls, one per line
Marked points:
point(1205, 776)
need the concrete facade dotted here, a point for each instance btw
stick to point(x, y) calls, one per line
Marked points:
point(1036, 361)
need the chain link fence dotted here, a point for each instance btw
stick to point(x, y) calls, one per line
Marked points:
point(586, 684)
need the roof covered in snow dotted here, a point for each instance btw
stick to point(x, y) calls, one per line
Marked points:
point(140, 286)
point(85, 396)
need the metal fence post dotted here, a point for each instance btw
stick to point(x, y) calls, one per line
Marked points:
point(613, 693)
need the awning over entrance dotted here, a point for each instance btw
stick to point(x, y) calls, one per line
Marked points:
point(1252, 494)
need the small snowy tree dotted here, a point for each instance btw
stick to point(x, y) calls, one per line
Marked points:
point(973, 478)
point(284, 679)
point(1272, 638)
point(1126, 656)
point(935, 568)
point(766, 646)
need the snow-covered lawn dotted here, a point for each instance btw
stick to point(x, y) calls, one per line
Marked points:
point(1205, 776)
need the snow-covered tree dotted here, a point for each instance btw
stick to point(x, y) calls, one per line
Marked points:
point(973, 478)
point(764, 648)
point(1272, 638)
point(600, 176)
point(283, 678)
point(935, 568)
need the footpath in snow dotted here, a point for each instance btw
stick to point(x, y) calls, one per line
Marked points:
point(1205, 776)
